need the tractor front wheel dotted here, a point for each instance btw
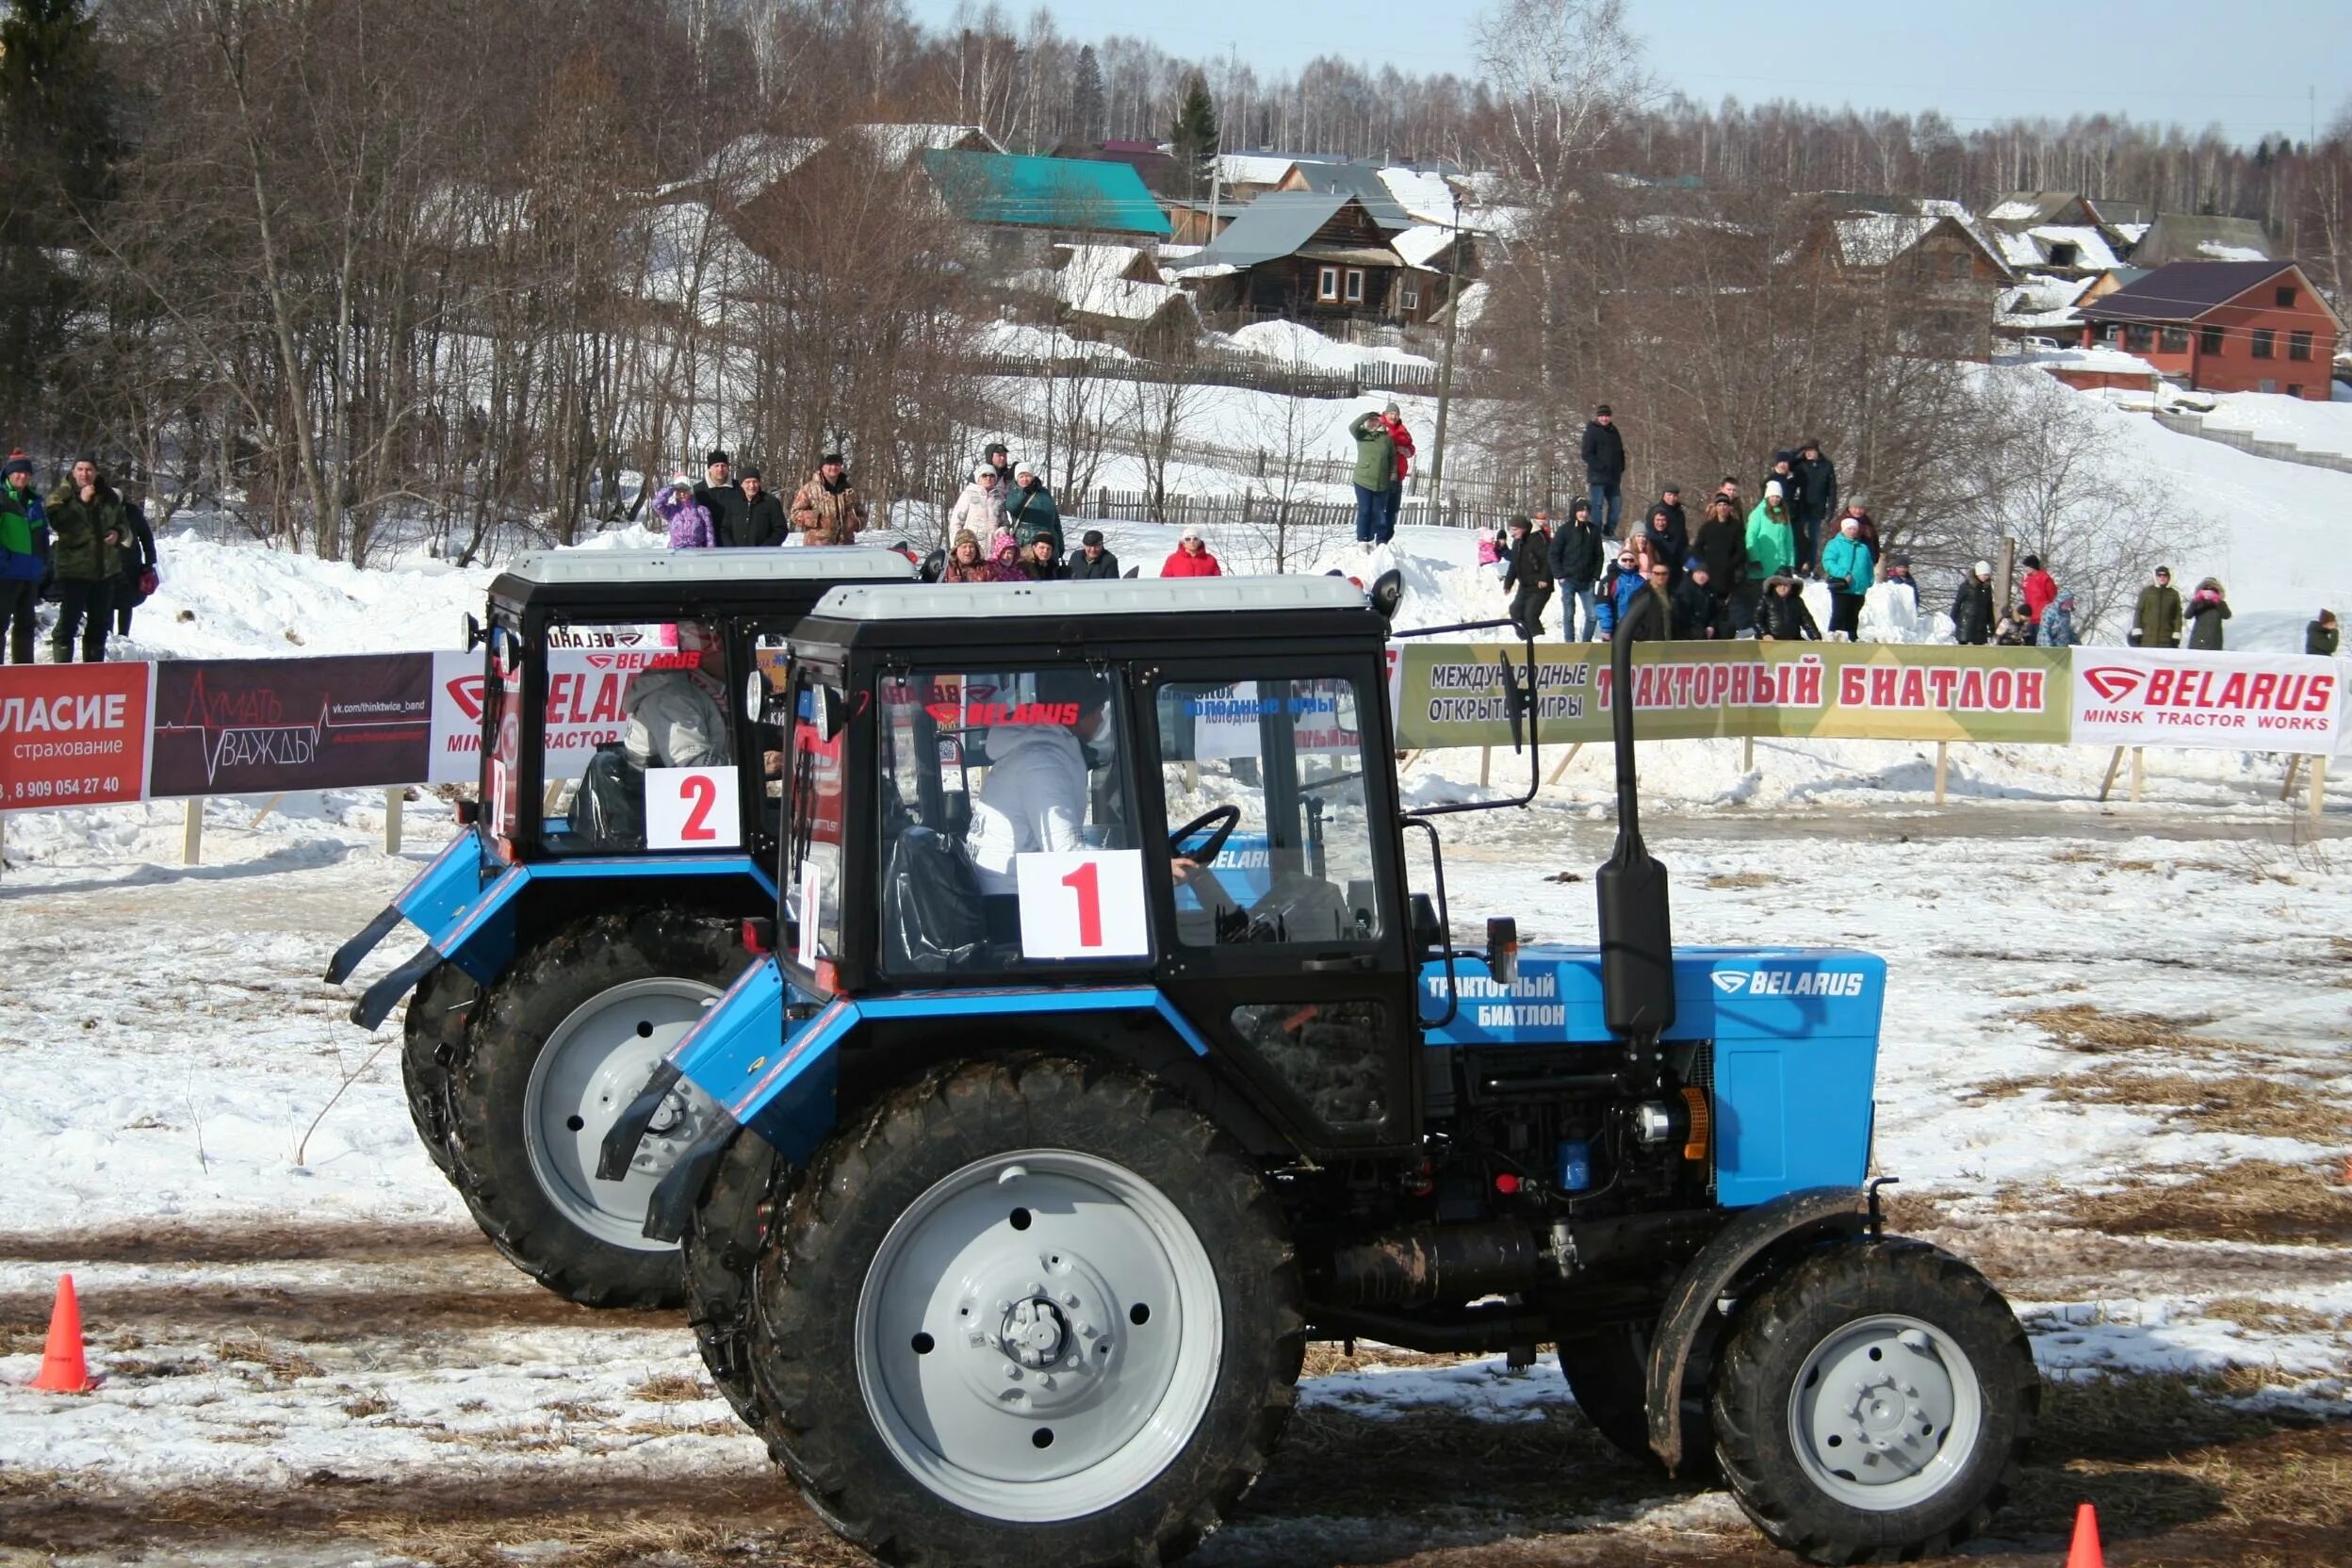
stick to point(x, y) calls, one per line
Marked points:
point(1027, 1312)
point(432, 1041)
point(568, 1037)
point(1873, 1404)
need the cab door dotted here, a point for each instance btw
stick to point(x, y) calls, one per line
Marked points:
point(1279, 900)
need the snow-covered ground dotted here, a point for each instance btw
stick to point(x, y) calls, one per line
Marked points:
point(2315, 427)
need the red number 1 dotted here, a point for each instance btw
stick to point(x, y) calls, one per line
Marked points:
point(1084, 882)
point(701, 794)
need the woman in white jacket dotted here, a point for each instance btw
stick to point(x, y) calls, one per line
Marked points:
point(979, 508)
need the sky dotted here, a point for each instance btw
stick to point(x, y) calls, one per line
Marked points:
point(1977, 60)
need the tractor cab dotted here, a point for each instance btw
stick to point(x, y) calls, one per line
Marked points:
point(1182, 791)
point(628, 700)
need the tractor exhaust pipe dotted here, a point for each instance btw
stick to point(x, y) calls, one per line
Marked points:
point(1424, 1264)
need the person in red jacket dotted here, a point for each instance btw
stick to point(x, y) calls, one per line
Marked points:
point(2040, 590)
point(1191, 557)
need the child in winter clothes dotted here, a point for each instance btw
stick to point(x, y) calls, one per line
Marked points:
point(2055, 629)
point(1490, 553)
point(1783, 613)
point(688, 520)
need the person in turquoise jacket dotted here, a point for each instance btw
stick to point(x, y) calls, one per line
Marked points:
point(1771, 536)
point(1846, 567)
point(23, 554)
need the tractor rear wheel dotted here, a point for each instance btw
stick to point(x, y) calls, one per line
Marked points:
point(1873, 1404)
point(567, 1039)
point(1026, 1312)
point(723, 1241)
point(433, 1040)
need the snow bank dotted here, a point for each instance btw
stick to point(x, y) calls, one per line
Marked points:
point(1293, 344)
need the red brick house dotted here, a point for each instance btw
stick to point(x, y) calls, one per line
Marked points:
point(2224, 326)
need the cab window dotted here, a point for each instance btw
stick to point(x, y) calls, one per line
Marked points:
point(1263, 785)
point(1005, 835)
point(814, 856)
point(626, 702)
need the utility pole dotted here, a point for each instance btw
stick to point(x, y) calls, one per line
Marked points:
point(1445, 367)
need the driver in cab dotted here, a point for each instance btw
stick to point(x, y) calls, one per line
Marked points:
point(1033, 800)
point(675, 720)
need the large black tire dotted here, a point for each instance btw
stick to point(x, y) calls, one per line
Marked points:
point(433, 1042)
point(869, 1175)
point(1767, 1350)
point(493, 1167)
point(1608, 1372)
point(723, 1241)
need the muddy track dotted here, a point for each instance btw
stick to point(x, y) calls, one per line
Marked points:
point(340, 1242)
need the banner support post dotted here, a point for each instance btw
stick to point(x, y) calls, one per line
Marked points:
point(2139, 771)
point(1943, 756)
point(1486, 764)
point(2295, 764)
point(1747, 754)
point(2115, 766)
point(192, 832)
point(394, 798)
point(1561, 766)
point(2319, 786)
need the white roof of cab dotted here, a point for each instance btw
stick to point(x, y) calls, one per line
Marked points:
point(822, 563)
point(990, 601)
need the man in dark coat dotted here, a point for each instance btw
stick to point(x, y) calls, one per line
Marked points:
point(2321, 637)
point(721, 497)
point(1529, 577)
point(1090, 562)
point(761, 521)
point(1783, 613)
point(1701, 615)
point(1972, 606)
point(996, 457)
point(1668, 542)
point(1604, 453)
point(1670, 497)
point(24, 555)
point(1812, 499)
point(139, 565)
point(1577, 554)
point(1723, 547)
point(2156, 619)
point(87, 527)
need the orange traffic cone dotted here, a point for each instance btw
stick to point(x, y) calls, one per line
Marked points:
point(64, 1368)
point(2084, 1553)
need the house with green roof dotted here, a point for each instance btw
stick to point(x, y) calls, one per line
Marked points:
point(1026, 203)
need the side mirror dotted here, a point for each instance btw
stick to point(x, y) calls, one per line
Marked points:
point(826, 712)
point(468, 812)
point(1429, 933)
point(1388, 593)
point(755, 695)
point(474, 634)
point(1502, 949)
point(933, 565)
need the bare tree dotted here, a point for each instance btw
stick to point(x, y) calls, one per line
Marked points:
point(1159, 409)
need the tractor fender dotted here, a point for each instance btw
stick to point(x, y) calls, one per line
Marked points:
point(432, 896)
point(478, 933)
point(1809, 1212)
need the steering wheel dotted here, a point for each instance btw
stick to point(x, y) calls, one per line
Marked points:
point(1229, 816)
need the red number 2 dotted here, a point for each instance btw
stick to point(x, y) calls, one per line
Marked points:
point(701, 794)
point(1086, 886)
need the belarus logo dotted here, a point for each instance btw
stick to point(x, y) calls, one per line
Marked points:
point(2112, 682)
point(466, 691)
point(1729, 983)
point(1787, 982)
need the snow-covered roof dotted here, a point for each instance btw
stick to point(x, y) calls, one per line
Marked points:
point(1094, 281)
point(2041, 300)
point(2216, 250)
point(896, 143)
point(749, 164)
point(694, 258)
point(1876, 238)
point(2011, 212)
point(2017, 249)
point(2132, 232)
point(1426, 198)
point(2100, 358)
point(2091, 248)
point(1420, 244)
point(1254, 168)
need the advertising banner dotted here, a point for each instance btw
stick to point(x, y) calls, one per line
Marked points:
point(230, 726)
point(2229, 701)
point(585, 688)
point(73, 734)
point(1451, 695)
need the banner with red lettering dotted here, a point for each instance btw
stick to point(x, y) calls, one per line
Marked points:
point(585, 691)
point(1451, 695)
point(73, 734)
point(2227, 701)
point(235, 727)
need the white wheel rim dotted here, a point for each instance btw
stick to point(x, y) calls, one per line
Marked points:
point(594, 1063)
point(1039, 1335)
point(1886, 1413)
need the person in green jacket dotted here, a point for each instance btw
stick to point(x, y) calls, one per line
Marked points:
point(1376, 470)
point(2156, 619)
point(1771, 536)
point(87, 527)
point(2321, 636)
point(23, 554)
point(1033, 511)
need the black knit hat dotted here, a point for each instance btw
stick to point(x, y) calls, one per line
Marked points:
point(748, 473)
point(716, 454)
point(1092, 537)
point(830, 460)
point(1603, 409)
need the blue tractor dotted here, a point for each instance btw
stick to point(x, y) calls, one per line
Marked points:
point(628, 821)
point(1039, 1143)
